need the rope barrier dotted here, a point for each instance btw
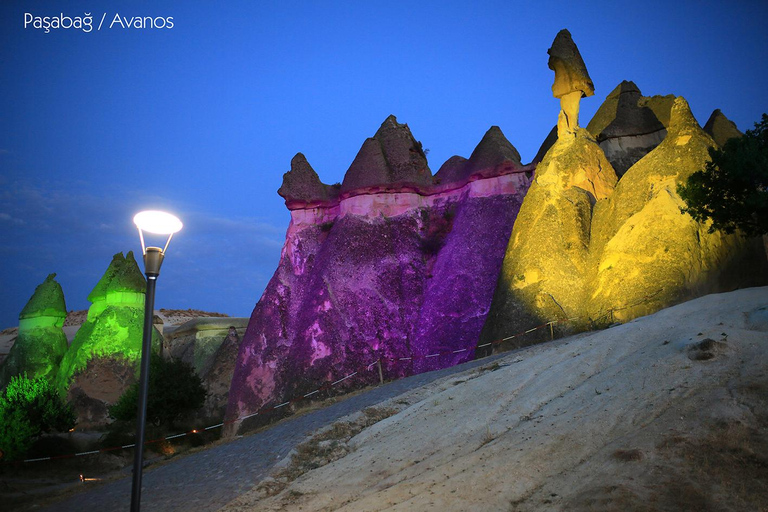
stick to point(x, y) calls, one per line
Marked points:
point(325, 387)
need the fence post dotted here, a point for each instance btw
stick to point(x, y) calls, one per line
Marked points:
point(381, 374)
point(551, 331)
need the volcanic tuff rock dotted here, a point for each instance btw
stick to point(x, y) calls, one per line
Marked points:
point(546, 259)
point(572, 81)
point(630, 254)
point(210, 346)
point(41, 342)
point(625, 128)
point(391, 157)
point(103, 359)
point(396, 268)
point(302, 185)
point(720, 128)
point(645, 254)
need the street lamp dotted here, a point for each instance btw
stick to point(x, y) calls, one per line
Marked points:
point(157, 223)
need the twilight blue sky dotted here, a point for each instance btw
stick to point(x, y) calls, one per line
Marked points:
point(203, 119)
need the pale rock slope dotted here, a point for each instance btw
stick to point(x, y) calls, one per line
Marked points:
point(666, 412)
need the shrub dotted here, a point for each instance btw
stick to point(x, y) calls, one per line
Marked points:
point(174, 391)
point(28, 408)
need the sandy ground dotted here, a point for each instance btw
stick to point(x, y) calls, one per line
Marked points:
point(668, 412)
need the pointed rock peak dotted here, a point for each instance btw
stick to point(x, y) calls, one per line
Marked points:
point(681, 118)
point(493, 151)
point(631, 118)
point(301, 183)
point(48, 300)
point(122, 274)
point(128, 277)
point(661, 106)
point(391, 157)
point(720, 128)
point(452, 171)
point(624, 87)
point(570, 71)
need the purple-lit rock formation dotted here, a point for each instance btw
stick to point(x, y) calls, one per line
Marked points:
point(399, 264)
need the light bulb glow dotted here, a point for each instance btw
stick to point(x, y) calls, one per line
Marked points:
point(157, 222)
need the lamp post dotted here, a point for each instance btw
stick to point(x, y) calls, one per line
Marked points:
point(158, 223)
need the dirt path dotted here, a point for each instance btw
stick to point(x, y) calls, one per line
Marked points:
point(210, 479)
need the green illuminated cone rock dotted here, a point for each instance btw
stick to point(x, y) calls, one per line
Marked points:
point(104, 357)
point(41, 343)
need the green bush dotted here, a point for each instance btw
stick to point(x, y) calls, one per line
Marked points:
point(732, 191)
point(175, 390)
point(28, 408)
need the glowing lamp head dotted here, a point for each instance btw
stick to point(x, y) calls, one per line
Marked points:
point(157, 223)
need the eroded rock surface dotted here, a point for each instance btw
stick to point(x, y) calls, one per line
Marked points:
point(400, 267)
point(625, 127)
point(110, 338)
point(720, 128)
point(41, 342)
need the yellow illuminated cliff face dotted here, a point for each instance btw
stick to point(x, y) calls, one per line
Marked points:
point(596, 250)
point(547, 255)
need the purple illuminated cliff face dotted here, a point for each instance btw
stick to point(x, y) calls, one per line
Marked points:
point(394, 271)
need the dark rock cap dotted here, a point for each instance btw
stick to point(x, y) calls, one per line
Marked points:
point(721, 129)
point(570, 71)
point(392, 156)
point(302, 183)
point(452, 171)
point(493, 150)
point(631, 118)
point(122, 275)
point(48, 300)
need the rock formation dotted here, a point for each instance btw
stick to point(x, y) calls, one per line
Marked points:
point(625, 127)
point(720, 128)
point(210, 346)
point(41, 342)
point(646, 255)
point(399, 265)
point(104, 356)
point(592, 250)
point(572, 81)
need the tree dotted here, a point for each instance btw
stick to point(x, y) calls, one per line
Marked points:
point(28, 408)
point(732, 191)
point(174, 390)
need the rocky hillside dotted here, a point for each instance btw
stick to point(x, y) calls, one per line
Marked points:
point(391, 264)
point(667, 412)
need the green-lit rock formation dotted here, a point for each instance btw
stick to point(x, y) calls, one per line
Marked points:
point(41, 343)
point(103, 359)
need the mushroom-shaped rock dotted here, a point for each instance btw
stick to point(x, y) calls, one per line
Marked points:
point(572, 81)
point(302, 185)
point(391, 157)
point(625, 127)
point(46, 307)
point(720, 128)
